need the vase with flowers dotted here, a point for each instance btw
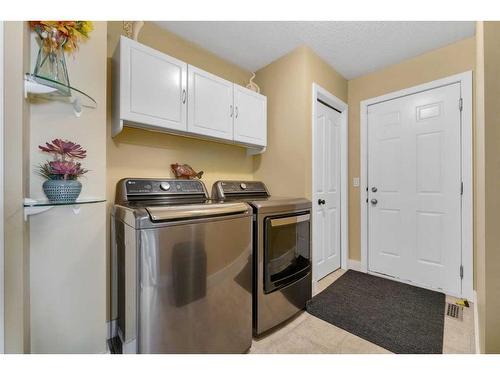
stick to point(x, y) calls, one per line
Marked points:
point(56, 38)
point(62, 173)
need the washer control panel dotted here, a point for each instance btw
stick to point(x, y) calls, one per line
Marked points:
point(164, 187)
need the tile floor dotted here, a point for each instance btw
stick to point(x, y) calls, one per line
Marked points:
point(308, 335)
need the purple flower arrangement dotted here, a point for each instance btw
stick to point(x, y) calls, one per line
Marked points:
point(64, 166)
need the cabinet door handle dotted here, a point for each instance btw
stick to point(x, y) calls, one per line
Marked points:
point(231, 110)
point(184, 96)
point(236, 109)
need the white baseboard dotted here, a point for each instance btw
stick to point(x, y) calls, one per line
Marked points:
point(476, 325)
point(354, 265)
point(112, 328)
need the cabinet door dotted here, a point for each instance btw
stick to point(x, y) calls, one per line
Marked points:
point(153, 87)
point(210, 104)
point(250, 117)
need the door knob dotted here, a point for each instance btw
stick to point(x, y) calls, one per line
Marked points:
point(374, 189)
point(374, 201)
point(321, 201)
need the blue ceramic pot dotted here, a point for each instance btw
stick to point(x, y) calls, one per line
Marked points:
point(62, 191)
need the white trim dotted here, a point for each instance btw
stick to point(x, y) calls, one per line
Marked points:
point(363, 183)
point(112, 328)
point(2, 293)
point(465, 80)
point(354, 265)
point(467, 178)
point(327, 97)
point(476, 325)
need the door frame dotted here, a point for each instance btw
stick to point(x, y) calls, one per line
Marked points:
point(319, 92)
point(2, 286)
point(465, 80)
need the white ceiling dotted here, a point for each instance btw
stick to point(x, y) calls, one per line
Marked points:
point(352, 48)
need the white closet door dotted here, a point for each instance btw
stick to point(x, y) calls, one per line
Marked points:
point(326, 194)
point(210, 104)
point(153, 87)
point(415, 188)
point(250, 116)
point(2, 330)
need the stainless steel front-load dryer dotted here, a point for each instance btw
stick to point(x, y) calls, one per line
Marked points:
point(282, 271)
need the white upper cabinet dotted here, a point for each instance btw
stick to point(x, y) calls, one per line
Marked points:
point(250, 117)
point(154, 91)
point(210, 104)
point(152, 88)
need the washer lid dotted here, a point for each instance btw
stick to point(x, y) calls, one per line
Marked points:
point(193, 211)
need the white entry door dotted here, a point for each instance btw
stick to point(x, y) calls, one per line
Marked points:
point(2, 294)
point(326, 193)
point(414, 188)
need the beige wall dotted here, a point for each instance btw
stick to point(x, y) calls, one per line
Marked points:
point(284, 84)
point(68, 251)
point(141, 153)
point(287, 82)
point(487, 182)
point(440, 63)
point(16, 138)
point(479, 179)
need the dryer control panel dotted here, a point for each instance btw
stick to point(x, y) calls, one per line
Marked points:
point(241, 189)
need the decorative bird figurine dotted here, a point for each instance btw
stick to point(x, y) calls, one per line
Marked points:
point(185, 171)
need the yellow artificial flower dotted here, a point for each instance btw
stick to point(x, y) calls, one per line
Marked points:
point(62, 34)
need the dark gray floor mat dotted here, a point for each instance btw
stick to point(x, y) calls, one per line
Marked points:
point(396, 316)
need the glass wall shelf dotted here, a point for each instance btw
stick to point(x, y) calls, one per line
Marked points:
point(53, 90)
point(37, 206)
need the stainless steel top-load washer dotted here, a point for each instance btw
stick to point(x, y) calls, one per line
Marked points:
point(184, 269)
point(282, 282)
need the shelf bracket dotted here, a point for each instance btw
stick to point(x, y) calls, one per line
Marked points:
point(77, 107)
point(29, 211)
point(34, 88)
point(35, 210)
point(255, 151)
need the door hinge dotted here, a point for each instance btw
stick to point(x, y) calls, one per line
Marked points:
point(462, 188)
point(461, 272)
point(460, 104)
